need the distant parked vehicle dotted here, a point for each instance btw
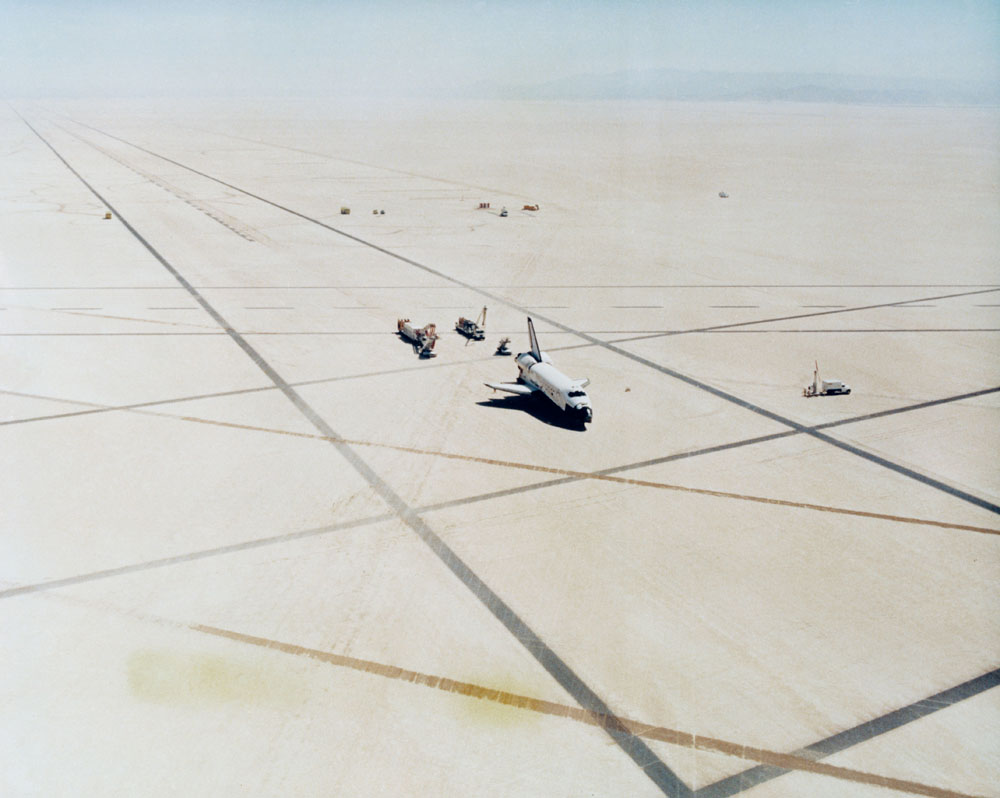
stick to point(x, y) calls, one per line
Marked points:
point(474, 330)
point(422, 338)
point(820, 387)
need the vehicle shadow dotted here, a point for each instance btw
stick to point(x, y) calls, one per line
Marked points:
point(538, 407)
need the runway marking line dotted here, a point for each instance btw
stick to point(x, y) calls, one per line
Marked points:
point(231, 223)
point(649, 731)
point(591, 475)
point(78, 312)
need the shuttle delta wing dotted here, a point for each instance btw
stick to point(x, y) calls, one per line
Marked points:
point(512, 387)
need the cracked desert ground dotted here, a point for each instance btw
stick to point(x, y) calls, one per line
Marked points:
point(253, 545)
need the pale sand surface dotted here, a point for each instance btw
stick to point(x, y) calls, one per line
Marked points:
point(205, 597)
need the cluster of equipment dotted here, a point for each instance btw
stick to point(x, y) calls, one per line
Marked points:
point(537, 376)
point(503, 210)
point(423, 338)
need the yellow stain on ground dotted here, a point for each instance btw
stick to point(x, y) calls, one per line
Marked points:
point(165, 676)
point(492, 710)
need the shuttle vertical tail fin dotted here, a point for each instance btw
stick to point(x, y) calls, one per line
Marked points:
point(536, 350)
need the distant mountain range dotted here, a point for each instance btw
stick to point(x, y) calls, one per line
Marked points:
point(668, 84)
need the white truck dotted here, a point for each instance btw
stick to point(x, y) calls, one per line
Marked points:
point(473, 330)
point(820, 387)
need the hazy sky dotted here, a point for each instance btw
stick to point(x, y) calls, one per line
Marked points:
point(309, 47)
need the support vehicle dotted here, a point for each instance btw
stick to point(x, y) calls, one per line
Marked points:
point(422, 338)
point(820, 387)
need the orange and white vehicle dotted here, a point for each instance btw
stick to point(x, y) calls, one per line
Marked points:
point(422, 338)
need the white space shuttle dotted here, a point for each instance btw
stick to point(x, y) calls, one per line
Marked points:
point(536, 373)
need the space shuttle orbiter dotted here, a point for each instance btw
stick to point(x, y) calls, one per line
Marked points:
point(536, 373)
